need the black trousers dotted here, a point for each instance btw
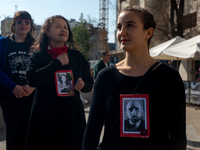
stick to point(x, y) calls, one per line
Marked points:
point(16, 113)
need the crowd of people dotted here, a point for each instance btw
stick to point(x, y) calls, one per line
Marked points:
point(41, 80)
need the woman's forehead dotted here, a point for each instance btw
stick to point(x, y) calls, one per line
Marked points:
point(59, 21)
point(128, 16)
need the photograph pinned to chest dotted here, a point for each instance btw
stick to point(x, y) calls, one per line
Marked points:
point(64, 83)
point(134, 115)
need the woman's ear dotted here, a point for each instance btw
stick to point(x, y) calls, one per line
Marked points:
point(150, 32)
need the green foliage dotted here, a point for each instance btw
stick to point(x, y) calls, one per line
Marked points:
point(82, 37)
point(69, 76)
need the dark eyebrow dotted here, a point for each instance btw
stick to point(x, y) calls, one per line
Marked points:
point(57, 24)
point(131, 22)
point(127, 22)
point(60, 24)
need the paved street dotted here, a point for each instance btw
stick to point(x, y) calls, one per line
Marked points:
point(192, 128)
point(2, 139)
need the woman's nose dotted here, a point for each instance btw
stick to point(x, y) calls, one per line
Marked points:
point(23, 22)
point(123, 31)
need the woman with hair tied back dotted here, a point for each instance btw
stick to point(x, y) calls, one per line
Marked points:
point(139, 75)
point(57, 118)
point(17, 95)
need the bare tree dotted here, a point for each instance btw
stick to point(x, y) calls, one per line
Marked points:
point(175, 18)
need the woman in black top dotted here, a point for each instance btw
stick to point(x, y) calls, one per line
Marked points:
point(17, 95)
point(166, 109)
point(57, 118)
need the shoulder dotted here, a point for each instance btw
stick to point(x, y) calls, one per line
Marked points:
point(3, 42)
point(76, 57)
point(39, 54)
point(164, 69)
point(169, 74)
point(2, 39)
point(107, 72)
point(99, 63)
point(73, 52)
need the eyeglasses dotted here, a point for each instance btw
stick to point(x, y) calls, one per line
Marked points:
point(19, 22)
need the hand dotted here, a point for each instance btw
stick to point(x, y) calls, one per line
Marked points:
point(63, 57)
point(27, 89)
point(79, 84)
point(19, 92)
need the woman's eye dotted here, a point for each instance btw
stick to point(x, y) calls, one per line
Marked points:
point(119, 27)
point(130, 25)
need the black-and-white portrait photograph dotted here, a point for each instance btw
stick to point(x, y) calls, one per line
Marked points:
point(64, 82)
point(134, 115)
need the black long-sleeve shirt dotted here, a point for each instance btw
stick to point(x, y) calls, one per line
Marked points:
point(57, 122)
point(166, 111)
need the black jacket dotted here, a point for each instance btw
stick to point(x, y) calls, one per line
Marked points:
point(99, 66)
point(56, 122)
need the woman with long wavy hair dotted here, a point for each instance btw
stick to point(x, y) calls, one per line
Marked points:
point(57, 118)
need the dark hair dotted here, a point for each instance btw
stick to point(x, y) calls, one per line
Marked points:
point(104, 53)
point(24, 15)
point(42, 40)
point(67, 78)
point(145, 16)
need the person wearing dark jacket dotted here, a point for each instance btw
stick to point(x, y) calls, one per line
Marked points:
point(102, 63)
point(57, 117)
point(16, 95)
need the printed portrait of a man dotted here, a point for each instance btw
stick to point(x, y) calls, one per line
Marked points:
point(134, 112)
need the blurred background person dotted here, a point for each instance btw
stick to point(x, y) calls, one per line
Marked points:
point(198, 75)
point(101, 64)
point(17, 95)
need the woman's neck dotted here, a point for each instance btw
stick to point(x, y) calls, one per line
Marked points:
point(135, 64)
point(137, 59)
point(20, 37)
point(56, 44)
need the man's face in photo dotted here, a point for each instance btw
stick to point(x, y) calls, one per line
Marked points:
point(134, 111)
